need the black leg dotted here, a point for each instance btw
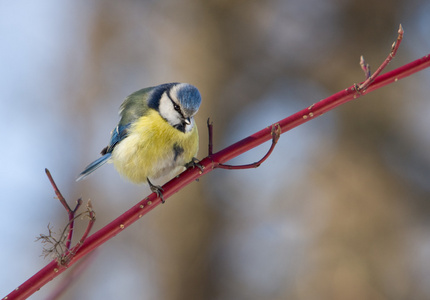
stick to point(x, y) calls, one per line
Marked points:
point(156, 189)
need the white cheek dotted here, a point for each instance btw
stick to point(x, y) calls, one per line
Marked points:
point(168, 112)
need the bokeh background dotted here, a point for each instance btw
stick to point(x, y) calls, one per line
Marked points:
point(339, 211)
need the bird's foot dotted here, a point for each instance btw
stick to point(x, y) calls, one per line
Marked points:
point(156, 189)
point(195, 163)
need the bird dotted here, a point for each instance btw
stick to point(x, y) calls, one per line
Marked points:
point(156, 135)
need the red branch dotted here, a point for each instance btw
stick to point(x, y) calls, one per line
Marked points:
point(72, 275)
point(276, 134)
point(366, 67)
point(67, 257)
point(209, 163)
point(64, 258)
point(71, 212)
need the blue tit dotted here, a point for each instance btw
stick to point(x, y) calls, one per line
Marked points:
point(156, 135)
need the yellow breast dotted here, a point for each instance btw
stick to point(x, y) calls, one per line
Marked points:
point(153, 148)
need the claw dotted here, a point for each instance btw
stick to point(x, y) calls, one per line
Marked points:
point(195, 163)
point(156, 189)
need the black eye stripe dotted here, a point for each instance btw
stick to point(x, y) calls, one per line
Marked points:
point(175, 106)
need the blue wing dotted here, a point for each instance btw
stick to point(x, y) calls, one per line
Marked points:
point(133, 107)
point(118, 134)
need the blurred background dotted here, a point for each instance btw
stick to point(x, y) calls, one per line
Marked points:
point(339, 211)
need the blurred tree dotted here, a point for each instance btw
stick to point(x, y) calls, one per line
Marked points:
point(238, 52)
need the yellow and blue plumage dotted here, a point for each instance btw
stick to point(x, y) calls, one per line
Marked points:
point(156, 135)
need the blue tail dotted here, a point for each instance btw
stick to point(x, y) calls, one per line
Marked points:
point(94, 166)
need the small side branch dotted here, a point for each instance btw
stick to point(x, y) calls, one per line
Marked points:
point(276, 133)
point(71, 212)
point(210, 134)
point(61, 247)
point(366, 68)
point(66, 257)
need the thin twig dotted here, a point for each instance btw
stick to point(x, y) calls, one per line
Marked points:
point(65, 255)
point(71, 212)
point(58, 193)
point(365, 67)
point(276, 133)
point(65, 259)
point(210, 134)
point(363, 86)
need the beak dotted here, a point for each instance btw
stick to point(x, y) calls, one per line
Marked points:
point(187, 121)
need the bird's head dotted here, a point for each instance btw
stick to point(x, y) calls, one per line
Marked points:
point(178, 104)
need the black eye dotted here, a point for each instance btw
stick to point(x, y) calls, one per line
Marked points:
point(176, 107)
